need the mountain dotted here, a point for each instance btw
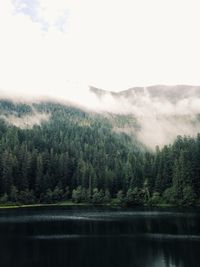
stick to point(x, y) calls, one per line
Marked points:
point(51, 152)
point(161, 113)
point(170, 93)
point(44, 159)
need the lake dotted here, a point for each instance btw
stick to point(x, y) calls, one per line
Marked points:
point(99, 237)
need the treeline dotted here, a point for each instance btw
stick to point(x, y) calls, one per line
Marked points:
point(77, 156)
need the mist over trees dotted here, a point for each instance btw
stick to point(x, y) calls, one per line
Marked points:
point(77, 155)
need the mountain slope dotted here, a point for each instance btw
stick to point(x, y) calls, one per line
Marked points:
point(72, 148)
point(172, 93)
point(161, 112)
point(51, 152)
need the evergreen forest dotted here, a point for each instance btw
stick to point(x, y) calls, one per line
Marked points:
point(76, 156)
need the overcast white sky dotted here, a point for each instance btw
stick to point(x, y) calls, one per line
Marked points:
point(57, 47)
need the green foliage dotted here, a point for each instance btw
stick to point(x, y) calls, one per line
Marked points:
point(48, 197)
point(77, 155)
point(26, 197)
point(14, 194)
point(170, 195)
point(107, 197)
point(119, 198)
point(156, 199)
point(57, 194)
point(189, 197)
point(66, 195)
point(98, 196)
point(77, 194)
point(134, 197)
point(4, 199)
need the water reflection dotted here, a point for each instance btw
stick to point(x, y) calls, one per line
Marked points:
point(80, 237)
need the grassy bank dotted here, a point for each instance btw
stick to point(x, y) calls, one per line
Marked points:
point(69, 203)
point(114, 202)
point(63, 203)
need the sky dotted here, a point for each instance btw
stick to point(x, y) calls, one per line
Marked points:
point(59, 47)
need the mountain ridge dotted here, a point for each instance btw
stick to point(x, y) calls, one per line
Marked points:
point(179, 90)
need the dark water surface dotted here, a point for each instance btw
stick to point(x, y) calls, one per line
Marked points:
point(94, 237)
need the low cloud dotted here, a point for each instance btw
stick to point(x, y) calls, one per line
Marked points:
point(156, 115)
point(161, 112)
point(27, 121)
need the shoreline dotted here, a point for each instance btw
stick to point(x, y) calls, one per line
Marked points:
point(71, 204)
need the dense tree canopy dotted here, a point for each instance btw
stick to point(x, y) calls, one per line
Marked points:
point(77, 155)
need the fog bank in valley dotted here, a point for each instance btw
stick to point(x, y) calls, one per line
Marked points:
point(161, 112)
point(26, 121)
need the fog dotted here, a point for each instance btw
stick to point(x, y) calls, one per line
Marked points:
point(47, 45)
point(161, 112)
point(27, 121)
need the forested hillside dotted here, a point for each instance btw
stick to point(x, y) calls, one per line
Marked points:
point(68, 153)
